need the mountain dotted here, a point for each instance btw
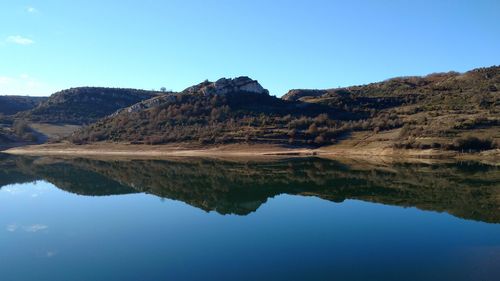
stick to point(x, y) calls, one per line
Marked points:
point(440, 110)
point(83, 105)
point(10, 105)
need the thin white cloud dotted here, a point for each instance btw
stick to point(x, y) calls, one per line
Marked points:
point(23, 84)
point(31, 228)
point(20, 40)
point(13, 190)
point(50, 254)
point(31, 9)
point(35, 228)
point(5, 80)
point(11, 228)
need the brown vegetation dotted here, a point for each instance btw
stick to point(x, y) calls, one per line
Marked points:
point(435, 111)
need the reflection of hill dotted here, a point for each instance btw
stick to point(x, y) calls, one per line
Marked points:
point(63, 175)
point(9, 174)
point(80, 181)
point(466, 190)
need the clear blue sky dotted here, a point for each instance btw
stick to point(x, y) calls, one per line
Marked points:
point(50, 45)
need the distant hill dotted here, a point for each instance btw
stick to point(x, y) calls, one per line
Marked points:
point(16, 132)
point(84, 105)
point(12, 131)
point(10, 105)
point(436, 111)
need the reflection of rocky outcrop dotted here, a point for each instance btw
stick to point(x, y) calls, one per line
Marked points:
point(465, 190)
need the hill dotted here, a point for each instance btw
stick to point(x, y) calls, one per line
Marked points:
point(10, 105)
point(83, 105)
point(225, 111)
point(441, 109)
point(436, 111)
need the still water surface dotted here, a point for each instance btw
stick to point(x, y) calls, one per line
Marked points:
point(302, 219)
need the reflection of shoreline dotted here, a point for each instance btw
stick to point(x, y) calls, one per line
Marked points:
point(246, 151)
point(467, 190)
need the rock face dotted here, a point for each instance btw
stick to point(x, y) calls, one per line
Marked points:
point(153, 102)
point(225, 85)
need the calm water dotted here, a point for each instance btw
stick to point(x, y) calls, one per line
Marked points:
point(307, 219)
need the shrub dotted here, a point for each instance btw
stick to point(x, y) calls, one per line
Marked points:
point(20, 128)
point(313, 129)
point(471, 143)
point(319, 140)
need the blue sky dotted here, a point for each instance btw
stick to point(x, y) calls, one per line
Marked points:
point(49, 45)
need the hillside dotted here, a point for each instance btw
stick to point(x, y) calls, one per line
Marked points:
point(225, 111)
point(435, 111)
point(83, 105)
point(10, 105)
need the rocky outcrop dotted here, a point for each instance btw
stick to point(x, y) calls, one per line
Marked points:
point(153, 102)
point(224, 86)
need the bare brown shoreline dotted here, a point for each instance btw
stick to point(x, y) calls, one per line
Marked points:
point(247, 152)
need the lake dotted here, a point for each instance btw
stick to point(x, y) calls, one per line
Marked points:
point(201, 219)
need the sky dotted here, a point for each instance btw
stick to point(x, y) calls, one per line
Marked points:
point(50, 45)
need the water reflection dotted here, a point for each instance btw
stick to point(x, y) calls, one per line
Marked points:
point(465, 190)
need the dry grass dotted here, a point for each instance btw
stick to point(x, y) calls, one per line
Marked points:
point(54, 131)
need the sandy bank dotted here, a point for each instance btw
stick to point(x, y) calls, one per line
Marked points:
point(240, 151)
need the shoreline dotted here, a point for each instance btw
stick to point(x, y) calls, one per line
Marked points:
point(244, 151)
